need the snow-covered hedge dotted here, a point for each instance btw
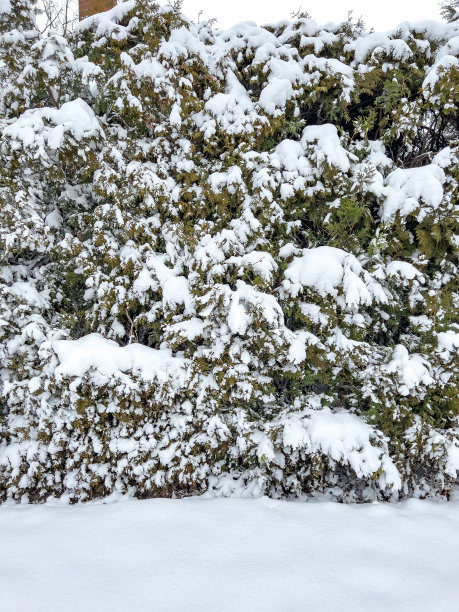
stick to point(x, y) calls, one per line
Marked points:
point(229, 257)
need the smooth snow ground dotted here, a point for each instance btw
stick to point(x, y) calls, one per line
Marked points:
point(230, 554)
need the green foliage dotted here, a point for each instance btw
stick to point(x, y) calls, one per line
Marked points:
point(269, 217)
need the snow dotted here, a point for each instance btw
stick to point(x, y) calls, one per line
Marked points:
point(313, 312)
point(189, 329)
point(246, 296)
point(93, 351)
point(5, 6)
point(403, 269)
point(175, 117)
point(230, 554)
point(287, 250)
point(29, 294)
point(433, 30)
point(444, 158)
point(451, 48)
point(327, 268)
point(238, 320)
point(149, 67)
point(297, 349)
point(412, 370)
point(448, 342)
point(233, 110)
point(319, 143)
point(106, 23)
point(412, 187)
point(344, 438)
point(437, 71)
point(175, 291)
point(275, 95)
point(262, 263)
point(378, 42)
point(214, 280)
point(75, 117)
point(327, 146)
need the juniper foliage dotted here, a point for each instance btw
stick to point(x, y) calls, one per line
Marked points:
point(229, 258)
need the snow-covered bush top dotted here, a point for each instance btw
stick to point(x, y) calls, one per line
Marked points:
point(229, 257)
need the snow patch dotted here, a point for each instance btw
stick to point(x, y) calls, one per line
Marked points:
point(75, 117)
point(325, 269)
point(77, 357)
point(412, 370)
point(409, 189)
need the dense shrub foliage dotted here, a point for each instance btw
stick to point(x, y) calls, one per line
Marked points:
point(229, 257)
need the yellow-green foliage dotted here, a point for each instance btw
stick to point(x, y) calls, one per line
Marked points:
point(271, 210)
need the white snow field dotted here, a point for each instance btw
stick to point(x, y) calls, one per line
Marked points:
point(230, 554)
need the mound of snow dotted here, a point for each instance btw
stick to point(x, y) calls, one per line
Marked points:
point(325, 269)
point(93, 351)
point(410, 188)
point(75, 117)
point(344, 438)
point(230, 554)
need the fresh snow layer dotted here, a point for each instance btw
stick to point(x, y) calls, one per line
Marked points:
point(93, 351)
point(409, 187)
point(75, 117)
point(326, 268)
point(230, 554)
point(412, 370)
